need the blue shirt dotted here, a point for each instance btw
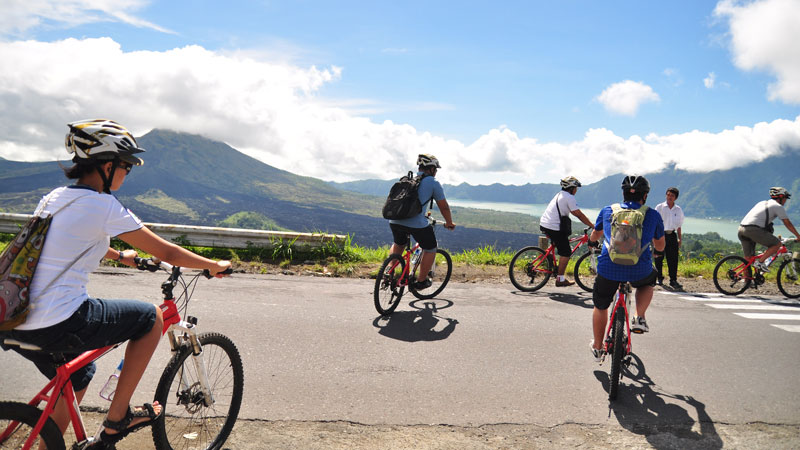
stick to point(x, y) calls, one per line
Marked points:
point(652, 228)
point(428, 188)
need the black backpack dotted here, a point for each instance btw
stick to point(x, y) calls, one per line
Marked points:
point(403, 200)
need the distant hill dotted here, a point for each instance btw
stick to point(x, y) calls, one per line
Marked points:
point(188, 179)
point(725, 194)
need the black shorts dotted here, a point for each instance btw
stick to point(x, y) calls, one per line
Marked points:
point(560, 239)
point(424, 236)
point(604, 289)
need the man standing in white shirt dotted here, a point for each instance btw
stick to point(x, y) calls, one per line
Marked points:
point(672, 215)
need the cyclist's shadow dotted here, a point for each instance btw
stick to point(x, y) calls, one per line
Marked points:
point(642, 410)
point(421, 324)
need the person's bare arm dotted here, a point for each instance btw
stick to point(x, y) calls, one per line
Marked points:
point(791, 228)
point(444, 208)
point(582, 217)
point(155, 245)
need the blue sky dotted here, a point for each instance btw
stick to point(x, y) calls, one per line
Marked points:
point(512, 92)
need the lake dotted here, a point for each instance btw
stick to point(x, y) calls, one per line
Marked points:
point(725, 228)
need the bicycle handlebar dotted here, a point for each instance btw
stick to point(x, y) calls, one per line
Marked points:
point(153, 264)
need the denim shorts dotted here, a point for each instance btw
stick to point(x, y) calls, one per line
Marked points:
point(96, 324)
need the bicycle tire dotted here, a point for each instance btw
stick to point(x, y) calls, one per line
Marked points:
point(186, 422)
point(584, 273)
point(27, 416)
point(725, 279)
point(436, 270)
point(387, 293)
point(789, 278)
point(529, 269)
point(617, 352)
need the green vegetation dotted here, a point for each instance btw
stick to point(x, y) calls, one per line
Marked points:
point(250, 220)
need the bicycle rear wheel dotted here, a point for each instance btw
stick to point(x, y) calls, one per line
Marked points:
point(789, 278)
point(26, 416)
point(530, 269)
point(618, 350)
point(729, 278)
point(387, 290)
point(439, 275)
point(187, 421)
point(586, 271)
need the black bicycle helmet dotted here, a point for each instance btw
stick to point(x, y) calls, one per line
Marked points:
point(635, 184)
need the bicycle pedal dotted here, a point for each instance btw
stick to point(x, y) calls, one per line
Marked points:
point(637, 331)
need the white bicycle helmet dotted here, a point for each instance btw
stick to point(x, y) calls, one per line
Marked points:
point(777, 191)
point(570, 182)
point(101, 140)
point(426, 160)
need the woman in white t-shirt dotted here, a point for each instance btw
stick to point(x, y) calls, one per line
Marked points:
point(63, 318)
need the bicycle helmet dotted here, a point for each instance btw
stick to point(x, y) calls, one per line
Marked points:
point(570, 182)
point(101, 140)
point(777, 192)
point(635, 184)
point(426, 160)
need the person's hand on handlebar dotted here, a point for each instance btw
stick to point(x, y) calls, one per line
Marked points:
point(222, 269)
point(450, 225)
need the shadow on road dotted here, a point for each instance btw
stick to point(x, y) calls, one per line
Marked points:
point(582, 299)
point(641, 409)
point(422, 324)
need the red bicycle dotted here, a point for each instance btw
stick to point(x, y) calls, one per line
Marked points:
point(398, 272)
point(200, 389)
point(734, 274)
point(531, 267)
point(617, 342)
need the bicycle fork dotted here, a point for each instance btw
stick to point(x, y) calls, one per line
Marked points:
point(189, 335)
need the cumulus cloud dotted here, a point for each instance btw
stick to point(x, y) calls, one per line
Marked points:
point(18, 16)
point(710, 80)
point(275, 112)
point(764, 36)
point(625, 98)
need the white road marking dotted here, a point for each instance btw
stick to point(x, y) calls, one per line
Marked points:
point(768, 316)
point(766, 307)
point(789, 328)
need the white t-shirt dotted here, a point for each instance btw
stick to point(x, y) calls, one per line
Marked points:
point(673, 218)
point(566, 203)
point(88, 222)
point(758, 214)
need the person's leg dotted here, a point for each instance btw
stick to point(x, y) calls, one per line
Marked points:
point(671, 254)
point(659, 263)
point(427, 240)
point(599, 320)
point(137, 355)
point(562, 265)
point(425, 265)
point(602, 295)
point(399, 238)
point(644, 295)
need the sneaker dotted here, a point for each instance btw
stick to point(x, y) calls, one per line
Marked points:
point(420, 285)
point(639, 325)
point(564, 283)
point(761, 266)
point(660, 281)
point(598, 354)
point(675, 285)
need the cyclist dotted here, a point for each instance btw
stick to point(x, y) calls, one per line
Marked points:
point(609, 274)
point(63, 317)
point(756, 227)
point(556, 224)
point(418, 226)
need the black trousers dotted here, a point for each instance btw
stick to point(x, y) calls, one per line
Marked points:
point(671, 255)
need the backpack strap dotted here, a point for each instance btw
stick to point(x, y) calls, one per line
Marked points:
point(421, 177)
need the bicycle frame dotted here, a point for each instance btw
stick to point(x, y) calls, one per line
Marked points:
point(551, 250)
point(741, 270)
point(620, 305)
point(62, 385)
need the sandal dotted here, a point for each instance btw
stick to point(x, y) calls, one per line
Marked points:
point(109, 441)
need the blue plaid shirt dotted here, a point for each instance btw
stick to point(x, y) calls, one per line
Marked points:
point(652, 228)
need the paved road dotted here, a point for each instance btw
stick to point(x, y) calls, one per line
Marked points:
point(315, 349)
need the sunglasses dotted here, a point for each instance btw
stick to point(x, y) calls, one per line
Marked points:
point(125, 166)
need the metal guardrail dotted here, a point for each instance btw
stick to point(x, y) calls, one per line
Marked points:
point(208, 236)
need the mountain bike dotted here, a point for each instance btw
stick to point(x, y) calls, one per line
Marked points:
point(200, 390)
point(531, 267)
point(617, 342)
point(734, 274)
point(398, 272)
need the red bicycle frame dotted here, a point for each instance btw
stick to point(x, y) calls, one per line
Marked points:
point(741, 269)
point(620, 306)
point(549, 253)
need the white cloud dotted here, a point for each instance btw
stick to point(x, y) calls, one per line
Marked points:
point(273, 111)
point(625, 98)
point(18, 16)
point(764, 35)
point(710, 80)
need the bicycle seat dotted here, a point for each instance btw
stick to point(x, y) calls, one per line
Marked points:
point(22, 345)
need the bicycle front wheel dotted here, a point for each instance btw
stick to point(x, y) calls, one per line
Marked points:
point(530, 269)
point(26, 417)
point(440, 274)
point(730, 276)
point(586, 271)
point(789, 278)
point(387, 290)
point(190, 419)
point(618, 350)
